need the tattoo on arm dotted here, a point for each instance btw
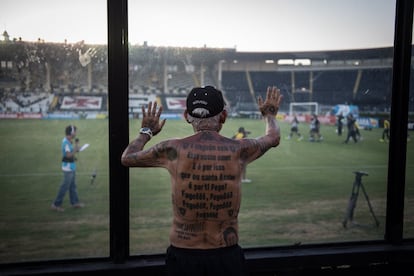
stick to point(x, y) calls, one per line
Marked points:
point(155, 156)
point(255, 148)
point(164, 149)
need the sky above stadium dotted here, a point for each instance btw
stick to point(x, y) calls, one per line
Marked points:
point(255, 25)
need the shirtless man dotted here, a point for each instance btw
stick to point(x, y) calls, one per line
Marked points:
point(206, 172)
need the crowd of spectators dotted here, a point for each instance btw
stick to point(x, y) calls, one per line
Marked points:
point(35, 76)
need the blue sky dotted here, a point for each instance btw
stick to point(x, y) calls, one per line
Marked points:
point(256, 25)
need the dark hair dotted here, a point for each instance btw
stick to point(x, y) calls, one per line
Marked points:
point(69, 130)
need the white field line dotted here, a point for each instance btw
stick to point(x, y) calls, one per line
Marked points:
point(293, 168)
point(43, 174)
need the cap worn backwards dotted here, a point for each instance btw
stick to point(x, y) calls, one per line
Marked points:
point(205, 102)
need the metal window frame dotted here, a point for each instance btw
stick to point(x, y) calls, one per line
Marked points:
point(391, 254)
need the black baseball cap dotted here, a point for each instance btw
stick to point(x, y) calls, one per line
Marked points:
point(205, 102)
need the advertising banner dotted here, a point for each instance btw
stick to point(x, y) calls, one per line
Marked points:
point(176, 103)
point(81, 103)
point(345, 109)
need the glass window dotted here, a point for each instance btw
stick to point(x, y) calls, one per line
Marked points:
point(53, 86)
point(310, 189)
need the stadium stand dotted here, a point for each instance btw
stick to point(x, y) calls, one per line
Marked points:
point(36, 76)
point(392, 256)
point(374, 91)
point(334, 86)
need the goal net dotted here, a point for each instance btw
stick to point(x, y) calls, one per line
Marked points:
point(304, 108)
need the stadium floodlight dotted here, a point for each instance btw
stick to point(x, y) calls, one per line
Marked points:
point(304, 108)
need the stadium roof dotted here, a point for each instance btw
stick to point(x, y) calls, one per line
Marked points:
point(377, 53)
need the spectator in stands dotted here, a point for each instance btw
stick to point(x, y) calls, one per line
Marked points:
point(315, 127)
point(69, 171)
point(294, 129)
point(206, 170)
point(352, 133)
point(240, 134)
point(386, 131)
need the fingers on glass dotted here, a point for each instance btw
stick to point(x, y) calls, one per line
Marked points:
point(159, 111)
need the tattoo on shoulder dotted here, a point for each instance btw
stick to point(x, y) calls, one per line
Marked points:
point(165, 149)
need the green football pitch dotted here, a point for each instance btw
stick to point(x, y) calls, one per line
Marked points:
point(298, 194)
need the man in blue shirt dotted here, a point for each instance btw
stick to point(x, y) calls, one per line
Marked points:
point(69, 171)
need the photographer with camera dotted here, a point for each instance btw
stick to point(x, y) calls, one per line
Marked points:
point(69, 171)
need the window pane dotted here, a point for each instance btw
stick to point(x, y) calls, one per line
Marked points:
point(324, 63)
point(53, 75)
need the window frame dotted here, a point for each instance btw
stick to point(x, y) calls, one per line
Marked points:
point(393, 251)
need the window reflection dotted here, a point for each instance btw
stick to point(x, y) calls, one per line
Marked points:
point(300, 191)
point(45, 86)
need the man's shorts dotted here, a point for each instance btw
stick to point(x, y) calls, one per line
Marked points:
point(202, 262)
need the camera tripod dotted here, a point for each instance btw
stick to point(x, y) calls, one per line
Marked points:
point(349, 215)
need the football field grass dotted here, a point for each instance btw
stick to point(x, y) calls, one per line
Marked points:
point(298, 194)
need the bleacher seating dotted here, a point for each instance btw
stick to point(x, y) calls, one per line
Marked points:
point(334, 87)
point(368, 88)
point(236, 89)
point(375, 89)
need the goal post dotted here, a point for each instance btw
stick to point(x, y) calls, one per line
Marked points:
point(304, 108)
